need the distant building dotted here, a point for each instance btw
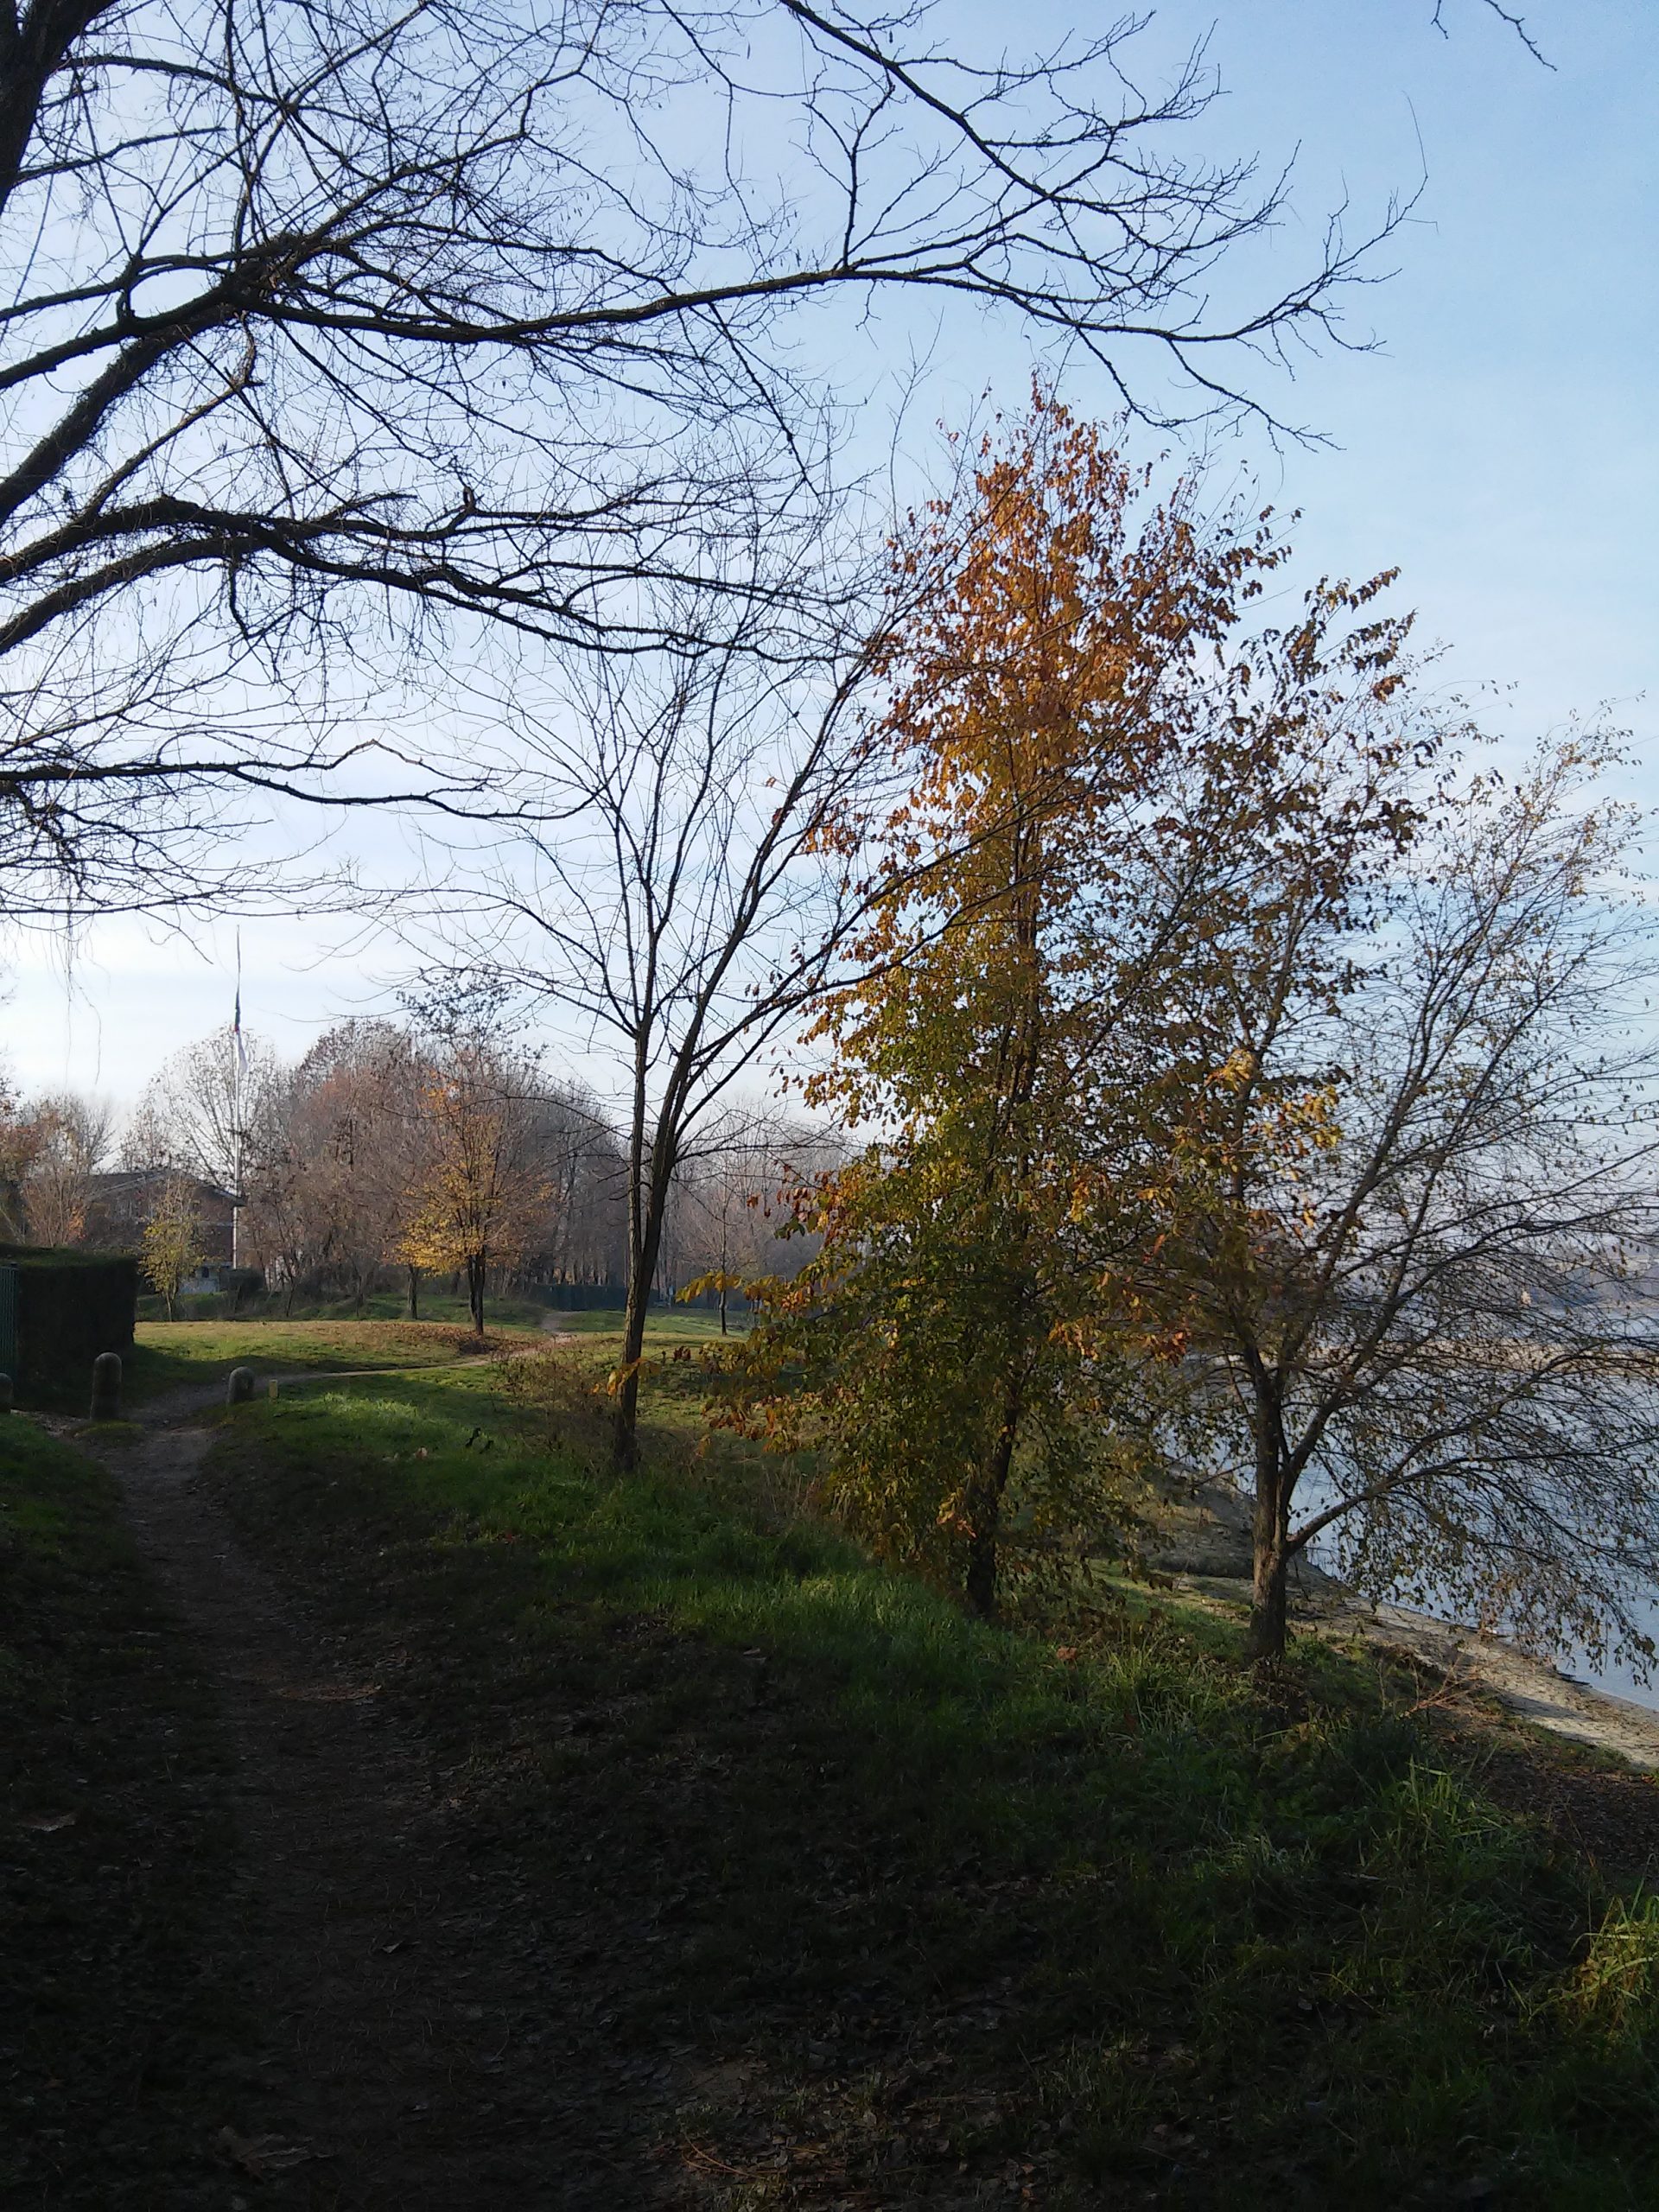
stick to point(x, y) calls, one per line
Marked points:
point(119, 1205)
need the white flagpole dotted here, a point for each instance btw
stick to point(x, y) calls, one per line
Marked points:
point(239, 1066)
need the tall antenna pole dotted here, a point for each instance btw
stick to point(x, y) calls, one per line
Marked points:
point(239, 1069)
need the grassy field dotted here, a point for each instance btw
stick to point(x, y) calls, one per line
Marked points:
point(169, 1355)
point(961, 1909)
point(435, 1304)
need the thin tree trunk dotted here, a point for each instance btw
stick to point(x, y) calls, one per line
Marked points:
point(647, 1197)
point(1270, 1545)
point(625, 1439)
point(985, 1508)
point(642, 1273)
point(414, 1294)
point(475, 1293)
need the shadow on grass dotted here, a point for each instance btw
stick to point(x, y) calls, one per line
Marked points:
point(114, 1832)
point(929, 1912)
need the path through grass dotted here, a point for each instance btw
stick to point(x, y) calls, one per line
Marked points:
point(116, 2013)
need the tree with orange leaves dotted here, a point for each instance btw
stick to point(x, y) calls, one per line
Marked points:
point(1059, 653)
point(477, 1188)
point(1214, 1007)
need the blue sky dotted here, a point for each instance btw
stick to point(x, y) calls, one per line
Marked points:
point(1504, 447)
point(1501, 446)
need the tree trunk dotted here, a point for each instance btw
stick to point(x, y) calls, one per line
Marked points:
point(723, 1309)
point(1270, 1543)
point(414, 1294)
point(625, 1428)
point(475, 1293)
point(985, 1510)
point(642, 1273)
point(980, 1585)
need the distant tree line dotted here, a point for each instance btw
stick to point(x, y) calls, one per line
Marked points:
point(392, 1154)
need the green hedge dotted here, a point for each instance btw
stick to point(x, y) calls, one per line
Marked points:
point(69, 1307)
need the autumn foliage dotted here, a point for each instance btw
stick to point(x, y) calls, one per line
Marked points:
point(1221, 1042)
point(475, 1190)
point(1057, 662)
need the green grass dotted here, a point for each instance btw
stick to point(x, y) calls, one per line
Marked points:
point(169, 1354)
point(1112, 1915)
point(435, 1305)
point(666, 1325)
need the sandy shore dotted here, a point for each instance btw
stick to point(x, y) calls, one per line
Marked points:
point(1529, 1687)
point(1208, 1550)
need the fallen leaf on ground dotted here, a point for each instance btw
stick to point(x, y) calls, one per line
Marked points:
point(259, 2155)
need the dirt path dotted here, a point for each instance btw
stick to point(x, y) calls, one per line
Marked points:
point(424, 2042)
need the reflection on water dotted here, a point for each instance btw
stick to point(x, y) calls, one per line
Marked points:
point(1613, 1675)
point(1617, 1675)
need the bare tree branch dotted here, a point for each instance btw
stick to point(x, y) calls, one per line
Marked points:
point(350, 332)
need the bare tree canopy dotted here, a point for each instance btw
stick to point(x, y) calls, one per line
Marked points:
point(1424, 1079)
point(1516, 22)
point(669, 889)
point(322, 324)
point(207, 1110)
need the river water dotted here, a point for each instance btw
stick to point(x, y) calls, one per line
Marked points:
point(1618, 1677)
point(1615, 1676)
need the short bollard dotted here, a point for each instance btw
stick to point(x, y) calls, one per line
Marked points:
point(5, 1394)
point(239, 1390)
point(106, 1386)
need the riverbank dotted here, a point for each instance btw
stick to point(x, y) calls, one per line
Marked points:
point(1205, 1547)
